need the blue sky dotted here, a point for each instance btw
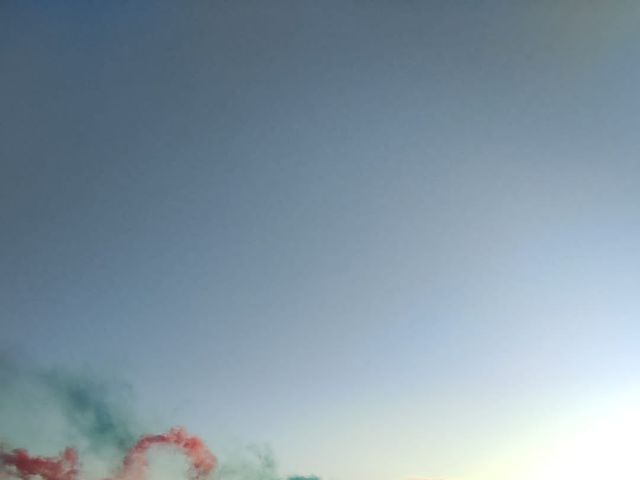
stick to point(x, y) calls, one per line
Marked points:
point(386, 238)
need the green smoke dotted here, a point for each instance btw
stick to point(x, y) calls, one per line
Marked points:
point(253, 463)
point(48, 410)
point(90, 407)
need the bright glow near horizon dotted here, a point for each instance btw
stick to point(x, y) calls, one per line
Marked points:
point(596, 444)
point(606, 448)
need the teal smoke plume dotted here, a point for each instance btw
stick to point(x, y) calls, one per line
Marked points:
point(45, 408)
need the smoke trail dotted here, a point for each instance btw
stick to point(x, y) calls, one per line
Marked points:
point(19, 464)
point(254, 462)
point(250, 463)
point(48, 409)
point(90, 414)
point(90, 408)
point(203, 462)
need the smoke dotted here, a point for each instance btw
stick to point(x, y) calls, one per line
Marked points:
point(20, 464)
point(49, 409)
point(88, 407)
point(254, 462)
point(79, 427)
point(251, 463)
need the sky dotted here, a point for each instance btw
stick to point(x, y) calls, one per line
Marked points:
point(388, 240)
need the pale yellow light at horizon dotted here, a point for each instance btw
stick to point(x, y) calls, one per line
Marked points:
point(596, 444)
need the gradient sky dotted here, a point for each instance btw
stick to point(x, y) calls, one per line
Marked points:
point(389, 239)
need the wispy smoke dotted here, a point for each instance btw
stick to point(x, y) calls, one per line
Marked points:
point(19, 464)
point(91, 409)
point(49, 410)
point(255, 462)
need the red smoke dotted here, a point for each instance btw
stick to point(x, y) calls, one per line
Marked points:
point(64, 467)
point(19, 464)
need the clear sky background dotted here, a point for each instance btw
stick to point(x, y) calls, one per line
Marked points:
point(389, 239)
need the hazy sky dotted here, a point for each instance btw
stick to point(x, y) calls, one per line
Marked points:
point(389, 239)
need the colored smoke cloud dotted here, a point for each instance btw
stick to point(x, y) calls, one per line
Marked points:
point(18, 463)
point(57, 425)
point(46, 410)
